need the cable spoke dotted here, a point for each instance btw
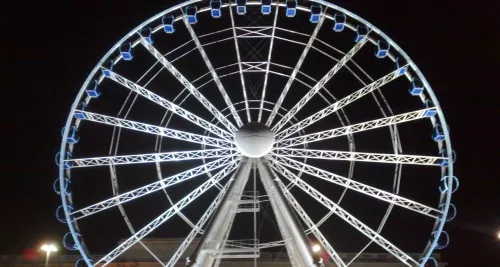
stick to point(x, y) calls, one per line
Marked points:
point(242, 78)
point(201, 222)
point(340, 104)
point(309, 223)
point(156, 130)
point(358, 156)
point(353, 221)
point(213, 73)
point(357, 186)
point(364, 126)
point(294, 73)
point(266, 76)
point(228, 162)
point(151, 158)
point(183, 113)
point(189, 86)
point(319, 85)
point(165, 216)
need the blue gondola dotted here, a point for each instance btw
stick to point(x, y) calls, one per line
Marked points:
point(361, 32)
point(443, 240)
point(452, 212)
point(73, 137)
point(437, 133)
point(265, 7)
point(69, 243)
point(445, 162)
point(79, 115)
point(339, 22)
point(192, 14)
point(60, 215)
point(315, 13)
point(291, 8)
point(168, 23)
point(81, 263)
point(93, 89)
point(241, 7)
point(443, 185)
point(431, 262)
point(66, 187)
point(215, 8)
point(417, 87)
point(126, 51)
point(382, 49)
point(146, 34)
point(107, 68)
point(431, 110)
point(67, 164)
point(401, 66)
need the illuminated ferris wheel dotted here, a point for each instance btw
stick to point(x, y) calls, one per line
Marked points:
point(210, 110)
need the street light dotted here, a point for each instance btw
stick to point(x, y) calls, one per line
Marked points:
point(48, 248)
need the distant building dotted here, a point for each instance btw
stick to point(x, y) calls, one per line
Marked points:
point(137, 256)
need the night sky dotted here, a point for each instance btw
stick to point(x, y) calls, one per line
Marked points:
point(49, 47)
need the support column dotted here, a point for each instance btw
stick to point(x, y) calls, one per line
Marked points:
point(297, 243)
point(215, 235)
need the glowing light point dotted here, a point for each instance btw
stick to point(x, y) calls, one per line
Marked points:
point(316, 248)
point(48, 248)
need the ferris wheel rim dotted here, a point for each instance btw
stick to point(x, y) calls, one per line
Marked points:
point(411, 63)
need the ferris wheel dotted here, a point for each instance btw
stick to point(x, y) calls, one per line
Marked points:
point(212, 110)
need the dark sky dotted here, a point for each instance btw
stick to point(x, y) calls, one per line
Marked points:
point(49, 47)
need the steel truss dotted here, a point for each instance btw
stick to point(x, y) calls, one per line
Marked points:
point(358, 156)
point(156, 130)
point(188, 199)
point(319, 85)
point(229, 163)
point(294, 72)
point(187, 84)
point(152, 158)
point(357, 186)
point(364, 126)
point(201, 222)
point(183, 113)
point(215, 77)
point(340, 104)
point(353, 221)
point(310, 224)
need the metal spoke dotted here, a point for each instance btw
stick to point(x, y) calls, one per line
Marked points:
point(309, 223)
point(340, 104)
point(189, 86)
point(357, 186)
point(364, 126)
point(156, 130)
point(151, 158)
point(266, 76)
point(319, 85)
point(358, 156)
point(164, 216)
point(242, 78)
point(230, 163)
point(353, 221)
point(294, 72)
point(213, 73)
point(183, 113)
point(201, 222)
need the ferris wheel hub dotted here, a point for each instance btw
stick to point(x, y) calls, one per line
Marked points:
point(254, 140)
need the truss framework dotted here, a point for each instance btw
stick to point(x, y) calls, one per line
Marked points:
point(354, 128)
point(229, 162)
point(353, 221)
point(358, 156)
point(156, 130)
point(152, 157)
